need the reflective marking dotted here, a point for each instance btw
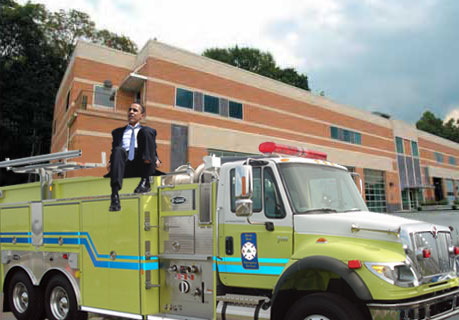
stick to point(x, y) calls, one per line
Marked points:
point(16, 234)
point(268, 270)
point(262, 260)
point(85, 239)
point(18, 240)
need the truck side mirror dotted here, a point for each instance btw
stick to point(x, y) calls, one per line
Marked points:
point(244, 191)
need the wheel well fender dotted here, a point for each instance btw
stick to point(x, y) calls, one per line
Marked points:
point(327, 264)
point(6, 283)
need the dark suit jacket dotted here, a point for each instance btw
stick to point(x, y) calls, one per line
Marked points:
point(146, 142)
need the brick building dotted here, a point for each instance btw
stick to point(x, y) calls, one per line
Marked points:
point(200, 106)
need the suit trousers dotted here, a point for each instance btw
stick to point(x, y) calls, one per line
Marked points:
point(121, 167)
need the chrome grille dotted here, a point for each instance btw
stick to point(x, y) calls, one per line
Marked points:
point(440, 263)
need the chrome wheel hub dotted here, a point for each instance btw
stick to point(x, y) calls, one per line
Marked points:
point(316, 317)
point(20, 297)
point(59, 303)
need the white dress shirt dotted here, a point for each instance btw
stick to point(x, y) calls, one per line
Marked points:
point(127, 136)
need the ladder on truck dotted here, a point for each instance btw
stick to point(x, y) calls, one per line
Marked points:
point(48, 164)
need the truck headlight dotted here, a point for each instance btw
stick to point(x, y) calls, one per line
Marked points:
point(397, 273)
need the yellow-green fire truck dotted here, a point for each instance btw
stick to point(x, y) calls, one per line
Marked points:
point(263, 237)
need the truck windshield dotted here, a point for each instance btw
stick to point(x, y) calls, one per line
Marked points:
point(320, 189)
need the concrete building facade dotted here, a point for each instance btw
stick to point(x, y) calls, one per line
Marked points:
point(200, 106)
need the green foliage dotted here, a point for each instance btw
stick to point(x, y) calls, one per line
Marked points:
point(35, 47)
point(112, 40)
point(430, 123)
point(262, 63)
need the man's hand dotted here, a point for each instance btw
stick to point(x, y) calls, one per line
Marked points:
point(158, 163)
point(108, 166)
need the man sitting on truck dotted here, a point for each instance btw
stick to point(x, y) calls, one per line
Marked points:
point(133, 155)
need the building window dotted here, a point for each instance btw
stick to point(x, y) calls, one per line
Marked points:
point(414, 149)
point(138, 97)
point(67, 101)
point(235, 110)
point(375, 193)
point(211, 104)
point(345, 135)
point(450, 190)
point(399, 144)
point(202, 102)
point(184, 98)
point(104, 96)
point(452, 160)
point(439, 157)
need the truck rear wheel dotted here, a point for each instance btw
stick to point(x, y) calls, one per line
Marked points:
point(323, 306)
point(23, 298)
point(60, 301)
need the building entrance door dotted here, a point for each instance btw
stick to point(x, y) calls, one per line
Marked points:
point(438, 184)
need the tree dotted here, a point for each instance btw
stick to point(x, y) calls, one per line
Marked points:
point(430, 123)
point(65, 28)
point(258, 62)
point(30, 74)
point(35, 47)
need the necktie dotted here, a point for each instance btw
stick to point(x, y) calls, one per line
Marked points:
point(132, 146)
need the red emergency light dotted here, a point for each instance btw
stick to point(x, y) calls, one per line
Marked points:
point(271, 147)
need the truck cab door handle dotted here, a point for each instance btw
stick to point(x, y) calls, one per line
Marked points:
point(229, 246)
point(282, 238)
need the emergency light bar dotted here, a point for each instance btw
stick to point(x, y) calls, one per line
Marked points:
point(271, 147)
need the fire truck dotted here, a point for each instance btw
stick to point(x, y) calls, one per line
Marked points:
point(281, 235)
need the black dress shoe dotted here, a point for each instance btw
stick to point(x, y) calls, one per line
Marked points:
point(115, 203)
point(144, 186)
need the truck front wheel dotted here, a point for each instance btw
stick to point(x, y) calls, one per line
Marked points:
point(60, 301)
point(323, 306)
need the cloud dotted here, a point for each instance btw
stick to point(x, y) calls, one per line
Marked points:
point(389, 56)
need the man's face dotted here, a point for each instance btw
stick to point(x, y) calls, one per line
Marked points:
point(134, 114)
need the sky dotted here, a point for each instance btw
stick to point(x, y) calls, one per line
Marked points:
point(399, 57)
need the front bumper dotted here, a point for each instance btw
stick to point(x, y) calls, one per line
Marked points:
point(438, 307)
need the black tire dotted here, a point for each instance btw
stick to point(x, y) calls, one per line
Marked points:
point(60, 301)
point(24, 299)
point(325, 306)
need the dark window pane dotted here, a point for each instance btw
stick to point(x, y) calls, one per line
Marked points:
point(439, 157)
point(184, 98)
point(211, 104)
point(334, 132)
point(452, 161)
point(274, 208)
point(399, 143)
point(358, 138)
point(235, 110)
point(414, 149)
point(347, 135)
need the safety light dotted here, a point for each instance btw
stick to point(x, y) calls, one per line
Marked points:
point(426, 253)
point(354, 264)
point(454, 250)
point(65, 256)
point(271, 147)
